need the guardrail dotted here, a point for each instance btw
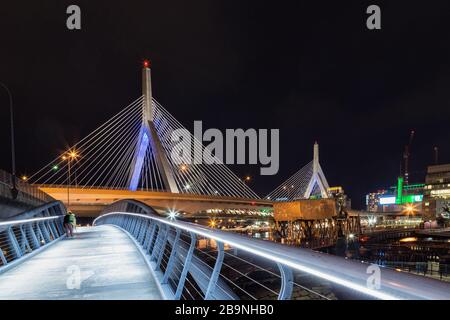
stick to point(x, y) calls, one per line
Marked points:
point(27, 192)
point(195, 262)
point(20, 239)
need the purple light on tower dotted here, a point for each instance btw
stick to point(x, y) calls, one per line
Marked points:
point(139, 161)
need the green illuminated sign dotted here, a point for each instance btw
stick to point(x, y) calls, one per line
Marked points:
point(412, 198)
point(399, 190)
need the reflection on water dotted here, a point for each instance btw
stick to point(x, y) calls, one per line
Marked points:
point(420, 255)
point(408, 239)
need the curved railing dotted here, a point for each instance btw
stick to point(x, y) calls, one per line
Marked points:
point(37, 228)
point(195, 262)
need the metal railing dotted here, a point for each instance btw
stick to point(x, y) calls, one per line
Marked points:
point(195, 262)
point(20, 239)
point(27, 193)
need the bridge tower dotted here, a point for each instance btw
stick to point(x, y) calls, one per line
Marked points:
point(317, 177)
point(148, 138)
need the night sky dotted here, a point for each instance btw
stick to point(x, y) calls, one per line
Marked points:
point(310, 68)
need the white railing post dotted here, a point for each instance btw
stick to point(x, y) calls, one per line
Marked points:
point(162, 247)
point(287, 282)
point(171, 263)
point(186, 267)
point(212, 285)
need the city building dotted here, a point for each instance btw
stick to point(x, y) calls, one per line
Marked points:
point(399, 198)
point(437, 189)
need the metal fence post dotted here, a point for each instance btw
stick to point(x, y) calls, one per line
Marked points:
point(186, 267)
point(287, 282)
point(157, 241)
point(59, 226)
point(138, 227)
point(39, 235)
point(24, 245)
point(216, 272)
point(149, 239)
point(45, 232)
point(53, 226)
point(171, 262)
point(3, 258)
point(50, 229)
point(142, 231)
point(131, 223)
point(13, 243)
point(33, 235)
point(134, 224)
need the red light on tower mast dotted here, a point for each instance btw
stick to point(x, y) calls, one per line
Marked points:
point(146, 64)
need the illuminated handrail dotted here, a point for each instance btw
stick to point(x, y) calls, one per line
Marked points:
point(151, 231)
point(20, 239)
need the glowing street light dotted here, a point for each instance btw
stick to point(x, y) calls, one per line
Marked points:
point(24, 178)
point(409, 208)
point(172, 214)
point(71, 155)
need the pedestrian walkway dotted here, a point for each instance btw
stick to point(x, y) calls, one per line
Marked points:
point(104, 259)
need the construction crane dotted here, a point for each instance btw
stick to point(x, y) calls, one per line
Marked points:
point(436, 155)
point(406, 157)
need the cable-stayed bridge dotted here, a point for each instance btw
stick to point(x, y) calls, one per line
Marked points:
point(134, 155)
point(308, 182)
point(129, 158)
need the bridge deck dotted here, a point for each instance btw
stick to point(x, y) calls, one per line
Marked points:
point(110, 267)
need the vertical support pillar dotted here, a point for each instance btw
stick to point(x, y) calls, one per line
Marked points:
point(316, 158)
point(317, 176)
point(212, 285)
point(148, 137)
point(186, 267)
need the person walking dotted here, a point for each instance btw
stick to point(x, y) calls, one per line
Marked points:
point(69, 223)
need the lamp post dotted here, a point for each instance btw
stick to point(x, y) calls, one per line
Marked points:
point(71, 155)
point(13, 151)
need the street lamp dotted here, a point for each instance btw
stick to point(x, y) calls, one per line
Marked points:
point(71, 155)
point(13, 151)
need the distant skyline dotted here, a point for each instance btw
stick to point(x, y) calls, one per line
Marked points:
point(311, 69)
